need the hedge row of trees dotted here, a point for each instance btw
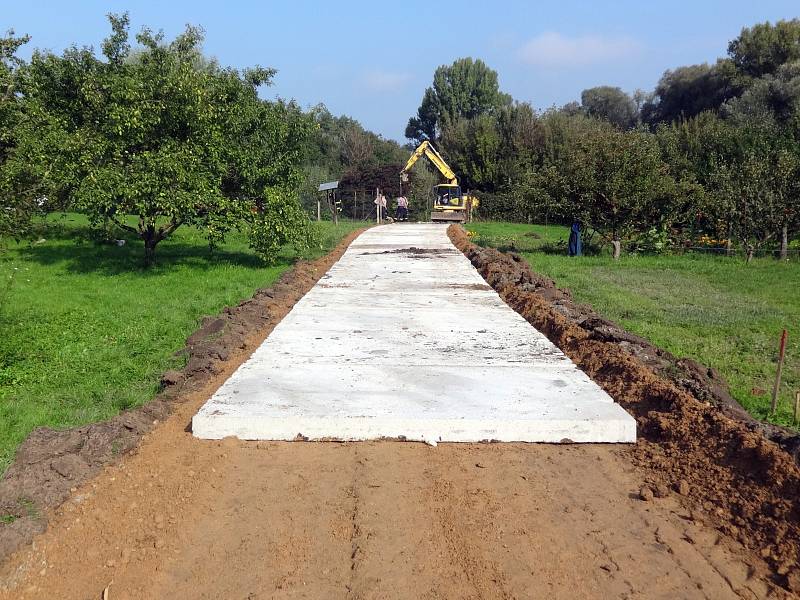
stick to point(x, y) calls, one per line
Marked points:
point(341, 149)
point(713, 150)
point(151, 136)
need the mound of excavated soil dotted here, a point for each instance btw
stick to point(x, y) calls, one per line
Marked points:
point(49, 463)
point(694, 438)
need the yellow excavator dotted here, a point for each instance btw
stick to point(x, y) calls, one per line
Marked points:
point(450, 204)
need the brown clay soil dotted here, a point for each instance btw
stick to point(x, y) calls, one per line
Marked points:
point(701, 507)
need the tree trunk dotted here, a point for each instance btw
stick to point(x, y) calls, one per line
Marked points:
point(785, 242)
point(617, 245)
point(150, 251)
point(750, 250)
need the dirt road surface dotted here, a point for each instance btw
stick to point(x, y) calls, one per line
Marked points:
point(183, 518)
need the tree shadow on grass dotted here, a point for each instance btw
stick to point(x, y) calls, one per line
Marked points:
point(79, 256)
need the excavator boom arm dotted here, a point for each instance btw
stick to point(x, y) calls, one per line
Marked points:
point(426, 149)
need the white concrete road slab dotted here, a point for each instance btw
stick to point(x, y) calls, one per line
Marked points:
point(402, 338)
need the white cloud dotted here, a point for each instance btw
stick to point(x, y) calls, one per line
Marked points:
point(552, 49)
point(385, 81)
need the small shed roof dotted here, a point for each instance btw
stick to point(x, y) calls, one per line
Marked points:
point(331, 185)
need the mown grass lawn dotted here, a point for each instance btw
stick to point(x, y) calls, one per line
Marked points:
point(721, 311)
point(86, 332)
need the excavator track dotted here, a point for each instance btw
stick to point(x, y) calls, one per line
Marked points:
point(448, 217)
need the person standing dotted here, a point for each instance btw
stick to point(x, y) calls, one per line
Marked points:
point(575, 239)
point(402, 208)
point(380, 206)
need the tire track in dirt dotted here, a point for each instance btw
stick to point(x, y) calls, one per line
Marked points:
point(451, 499)
point(356, 538)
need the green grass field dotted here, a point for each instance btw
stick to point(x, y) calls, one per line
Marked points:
point(86, 332)
point(718, 310)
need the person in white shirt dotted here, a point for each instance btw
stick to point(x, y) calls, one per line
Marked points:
point(380, 206)
point(402, 208)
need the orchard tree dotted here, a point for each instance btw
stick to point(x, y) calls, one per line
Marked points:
point(10, 103)
point(751, 170)
point(611, 104)
point(786, 178)
point(15, 209)
point(465, 89)
point(157, 138)
point(744, 188)
point(617, 184)
point(770, 107)
point(690, 147)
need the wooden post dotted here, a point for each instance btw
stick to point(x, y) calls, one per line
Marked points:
point(777, 386)
point(784, 242)
point(319, 211)
point(796, 405)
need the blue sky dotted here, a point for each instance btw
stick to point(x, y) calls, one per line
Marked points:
point(373, 60)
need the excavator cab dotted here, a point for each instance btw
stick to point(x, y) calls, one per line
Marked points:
point(449, 204)
point(448, 196)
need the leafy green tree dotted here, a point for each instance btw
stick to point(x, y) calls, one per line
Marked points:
point(535, 194)
point(160, 138)
point(744, 189)
point(9, 89)
point(689, 147)
point(474, 145)
point(769, 113)
point(611, 104)
point(562, 131)
point(617, 184)
point(687, 91)
point(522, 139)
point(423, 126)
point(534, 154)
point(773, 98)
point(761, 50)
point(15, 210)
point(786, 179)
point(463, 90)
point(340, 146)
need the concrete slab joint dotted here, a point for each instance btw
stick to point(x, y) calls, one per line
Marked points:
point(403, 339)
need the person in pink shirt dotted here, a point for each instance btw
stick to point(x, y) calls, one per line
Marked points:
point(402, 208)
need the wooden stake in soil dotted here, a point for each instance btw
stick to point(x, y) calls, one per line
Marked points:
point(796, 405)
point(777, 386)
